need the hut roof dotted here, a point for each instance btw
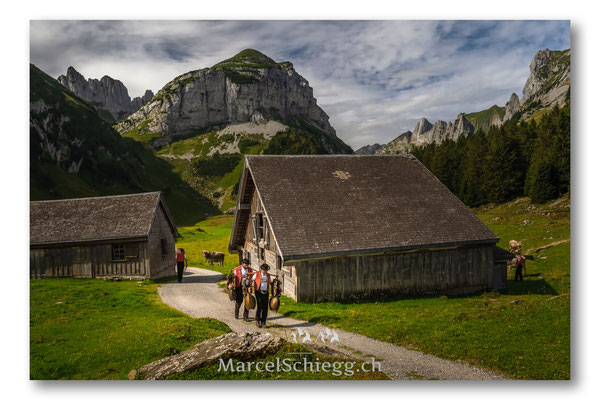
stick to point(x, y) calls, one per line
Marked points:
point(321, 206)
point(94, 218)
point(501, 254)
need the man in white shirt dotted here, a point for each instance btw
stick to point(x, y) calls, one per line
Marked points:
point(241, 274)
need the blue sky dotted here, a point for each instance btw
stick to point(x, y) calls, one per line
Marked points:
point(374, 79)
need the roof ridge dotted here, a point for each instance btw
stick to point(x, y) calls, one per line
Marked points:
point(97, 197)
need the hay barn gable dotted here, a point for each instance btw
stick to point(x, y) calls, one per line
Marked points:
point(345, 226)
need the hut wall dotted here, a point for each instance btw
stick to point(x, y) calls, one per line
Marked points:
point(160, 255)
point(450, 271)
point(251, 247)
point(88, 261)
point(134, 264)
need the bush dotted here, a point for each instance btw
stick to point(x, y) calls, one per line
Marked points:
point(217, 165)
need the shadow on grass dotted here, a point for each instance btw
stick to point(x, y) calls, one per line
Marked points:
point(321, 319)
point(529, 286)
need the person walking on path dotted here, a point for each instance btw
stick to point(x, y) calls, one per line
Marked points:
point(241, 273)
point(181, 261)
point(262, 280)
point(520, 266)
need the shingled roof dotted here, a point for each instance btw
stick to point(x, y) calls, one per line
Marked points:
point(94, 218)
point(321, 206)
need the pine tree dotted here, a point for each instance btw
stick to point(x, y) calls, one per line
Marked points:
point(504, 168)
point(472, 186)
point(545, 182)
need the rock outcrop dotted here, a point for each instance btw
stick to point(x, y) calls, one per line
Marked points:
point(425, 133)
point(242, 346)
point(369, 149)
point(106, 94)
point(249, 87)
point(512, 107)
point(549, 82)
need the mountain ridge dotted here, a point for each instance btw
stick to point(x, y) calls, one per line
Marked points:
point(108, 95)
point(248, 87)
point(74, 152)
point(548, 85)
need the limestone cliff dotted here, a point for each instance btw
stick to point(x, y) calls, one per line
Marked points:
point(106, 94)
point(425, 133)
point(249, 87)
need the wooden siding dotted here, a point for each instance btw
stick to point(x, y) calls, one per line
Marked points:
point(86, 261)
point(160, 265)
point(450, 271)
point(251, 246)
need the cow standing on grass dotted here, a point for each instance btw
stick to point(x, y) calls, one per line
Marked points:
point(213, 257)
point(515, 246)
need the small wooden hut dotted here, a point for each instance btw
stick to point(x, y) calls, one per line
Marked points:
point(112, 236)
point(347, 226)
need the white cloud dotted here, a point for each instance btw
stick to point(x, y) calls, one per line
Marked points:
point(373, 78)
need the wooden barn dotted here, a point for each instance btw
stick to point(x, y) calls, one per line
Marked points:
point(130, 236)
point(347, 226)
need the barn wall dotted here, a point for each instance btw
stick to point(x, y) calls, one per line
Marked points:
point(160, 264)
point(88, 261)
point(451, 271)
point(251, 246)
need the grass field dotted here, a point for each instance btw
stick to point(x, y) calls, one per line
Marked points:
point(523, 332)
point(211, 234)
point(96, 329)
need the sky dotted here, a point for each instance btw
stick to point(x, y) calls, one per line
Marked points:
point(374, 79)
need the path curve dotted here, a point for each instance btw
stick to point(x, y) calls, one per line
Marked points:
point(200, 297)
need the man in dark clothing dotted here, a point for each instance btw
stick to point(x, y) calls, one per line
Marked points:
point(262, 280)
point(520, 265)
point(181, 261)
point(240, 274)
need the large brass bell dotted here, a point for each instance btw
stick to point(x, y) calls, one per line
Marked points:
point(232, 294)
point(274, 303)
point(249, 301)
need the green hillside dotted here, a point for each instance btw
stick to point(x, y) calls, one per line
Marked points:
point(74, 152)
point(211, 162)
point(482, 119)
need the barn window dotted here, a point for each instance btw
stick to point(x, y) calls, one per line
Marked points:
point(163, 247)
point(132, 251)
point(261, 226)
point(118, 251)
point(254, 229)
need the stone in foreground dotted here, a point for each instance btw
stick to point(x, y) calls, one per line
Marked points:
point(242, 346)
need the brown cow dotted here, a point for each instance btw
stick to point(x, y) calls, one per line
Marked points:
point(214, 256)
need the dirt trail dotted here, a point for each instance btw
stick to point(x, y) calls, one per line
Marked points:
point(199, 296)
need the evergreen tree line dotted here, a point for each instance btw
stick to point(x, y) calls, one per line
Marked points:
point(515, 159)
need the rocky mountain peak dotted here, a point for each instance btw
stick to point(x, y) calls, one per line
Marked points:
point(512, 107)
point(106, 94)
point(422, 126)
point(549, 70)
point(248, 87)
point(248, 57)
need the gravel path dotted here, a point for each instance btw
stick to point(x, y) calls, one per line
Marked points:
point(199, 296)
